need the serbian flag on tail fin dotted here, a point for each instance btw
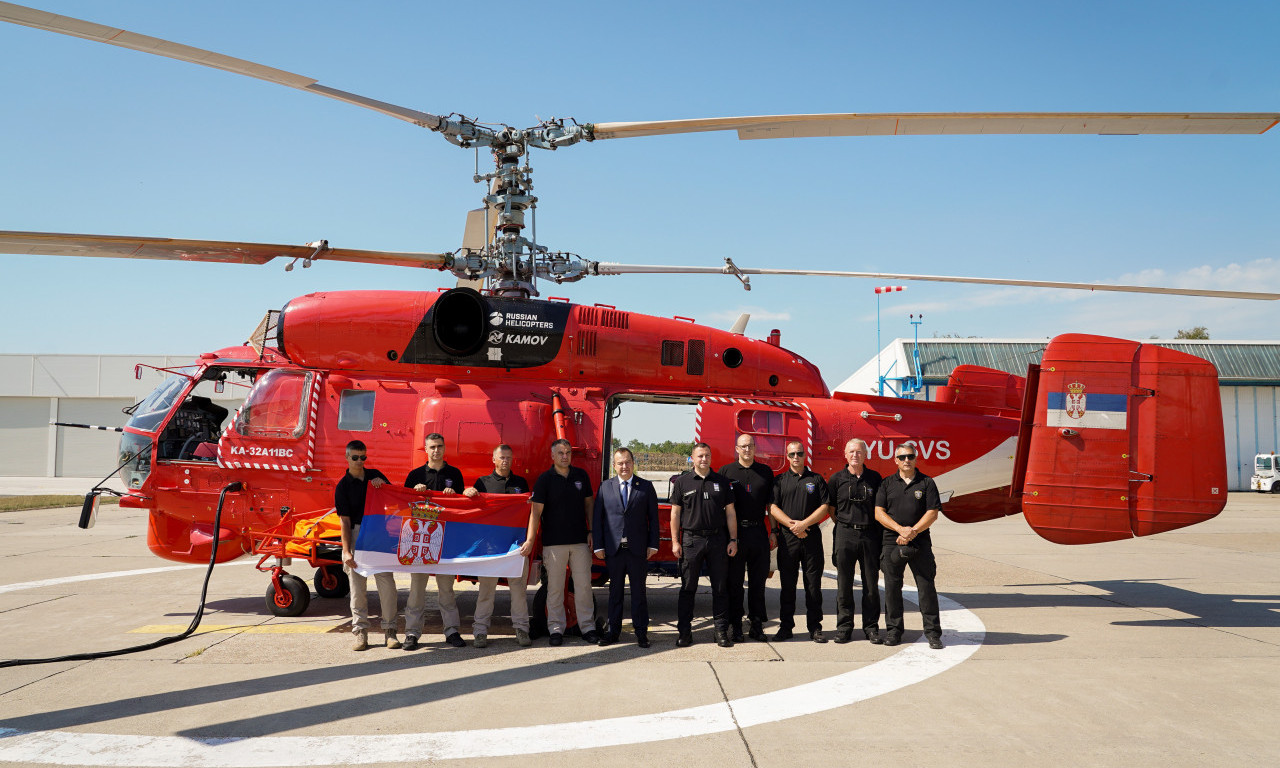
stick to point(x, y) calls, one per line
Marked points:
point(406, 532)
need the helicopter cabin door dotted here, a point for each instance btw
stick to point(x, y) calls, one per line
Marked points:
point(275, 429)
point(773, 424)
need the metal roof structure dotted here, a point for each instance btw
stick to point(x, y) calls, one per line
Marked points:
point(1238, 362)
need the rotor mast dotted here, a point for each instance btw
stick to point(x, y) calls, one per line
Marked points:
point(508, 262)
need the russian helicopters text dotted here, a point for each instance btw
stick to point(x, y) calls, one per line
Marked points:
point(504, 366)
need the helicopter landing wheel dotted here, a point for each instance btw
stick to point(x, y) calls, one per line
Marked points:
point(291, 599)
point(331, 581)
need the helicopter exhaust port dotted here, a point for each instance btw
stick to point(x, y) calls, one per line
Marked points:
point(460, 320)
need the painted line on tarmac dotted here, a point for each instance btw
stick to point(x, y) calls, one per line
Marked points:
point(92, 577)
point(963, 636)
point(4, 588)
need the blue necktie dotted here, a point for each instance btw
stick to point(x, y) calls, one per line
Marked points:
point(623, 486)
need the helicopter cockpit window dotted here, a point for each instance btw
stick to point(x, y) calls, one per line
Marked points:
point(355, 410)
point(195, 427)
point(148, 414)
point(277, 405)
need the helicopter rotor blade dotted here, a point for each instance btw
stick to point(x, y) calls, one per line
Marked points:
point(940, 123)
point(55, 244)
point(606, 268)
point(67, 25)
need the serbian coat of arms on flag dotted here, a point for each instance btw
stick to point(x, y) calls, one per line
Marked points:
point(1076, 409)
point(411, 532)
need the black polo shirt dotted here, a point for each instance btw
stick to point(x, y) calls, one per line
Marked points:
point(855, 497)
point(563, 500)
point(752, 491)
point(702, 500)
point(799, 495)
point(496, 483)
point(447, 476)
point(907, 503)
point(348, 495)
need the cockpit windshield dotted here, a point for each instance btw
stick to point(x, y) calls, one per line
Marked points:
point(148, 414)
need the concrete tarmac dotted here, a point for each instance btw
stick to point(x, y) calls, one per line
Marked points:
point(1162, 651)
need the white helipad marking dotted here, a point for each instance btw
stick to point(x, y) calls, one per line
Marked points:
point(915, 663)
point(91, 577)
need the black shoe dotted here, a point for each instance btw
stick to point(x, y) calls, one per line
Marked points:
point(782, 634)
point(557, 638)
point(756, 633)
point(591, 636)
point(410, 643)
point(643, 641)
point(873, 635)
point(608, 640)
point(722, 640)
point(684, 641)
point(935, 643)
point(735, 634)
point(817, 636)
point(892, 640)
point(455, 639)
point(842, 637)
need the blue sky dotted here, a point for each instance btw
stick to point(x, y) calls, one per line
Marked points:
point(110, 141)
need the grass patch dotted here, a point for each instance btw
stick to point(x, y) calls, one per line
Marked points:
point(17, 503)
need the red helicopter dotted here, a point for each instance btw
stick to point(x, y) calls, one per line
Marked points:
point(1082, 445)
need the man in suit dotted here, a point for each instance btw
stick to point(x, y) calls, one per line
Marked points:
point(625, 528)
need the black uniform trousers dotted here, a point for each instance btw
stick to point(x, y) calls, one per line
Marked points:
point(857, 549)
point(632, 565)
point(894, 561)
point(699, 549)
point(752, 561)
point(796, 554)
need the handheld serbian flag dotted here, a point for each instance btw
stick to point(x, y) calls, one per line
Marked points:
point(404, 532)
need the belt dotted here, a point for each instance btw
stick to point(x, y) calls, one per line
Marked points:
point(703, 531)
point(853, 526)
point(749, 523)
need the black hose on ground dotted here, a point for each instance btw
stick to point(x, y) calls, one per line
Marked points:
point(195, 621)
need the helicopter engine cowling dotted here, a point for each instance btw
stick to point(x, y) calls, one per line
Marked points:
point(354, 330)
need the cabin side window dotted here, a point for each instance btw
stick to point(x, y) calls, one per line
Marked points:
point(355, 410)
point(277, 405)
point(769, 430)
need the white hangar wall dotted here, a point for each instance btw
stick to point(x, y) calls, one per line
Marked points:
point(83, 389)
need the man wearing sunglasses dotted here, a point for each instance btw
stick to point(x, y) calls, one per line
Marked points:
point(800, 502)
point(348, 500)
point(856, 541)
point(906, 505)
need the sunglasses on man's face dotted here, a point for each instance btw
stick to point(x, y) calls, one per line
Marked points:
point(795, 454)
point(357, 458)
point(906, 457)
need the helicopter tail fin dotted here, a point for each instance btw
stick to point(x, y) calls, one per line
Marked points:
point(1126, 440)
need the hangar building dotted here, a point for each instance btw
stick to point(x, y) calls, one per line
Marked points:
point(82, 389)
point(1248, 379)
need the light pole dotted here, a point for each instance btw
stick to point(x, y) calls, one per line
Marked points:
point(879, 290)
point(915, 354)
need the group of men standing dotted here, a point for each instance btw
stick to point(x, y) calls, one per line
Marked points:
point(726, 522)
point(724, 519)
